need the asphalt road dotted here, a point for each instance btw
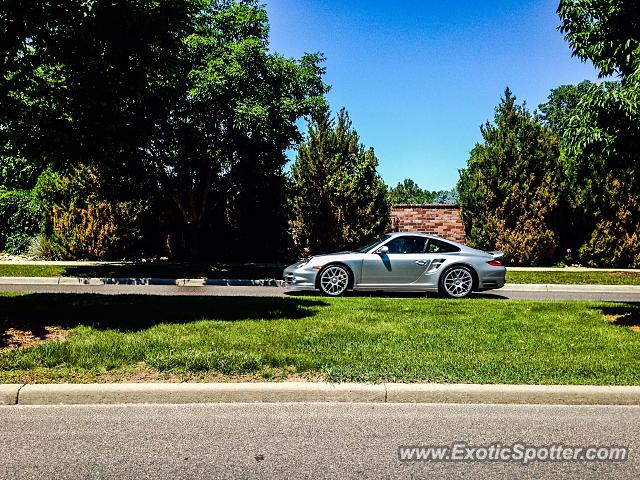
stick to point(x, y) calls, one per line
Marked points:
point(277, 291)
point(272, 441)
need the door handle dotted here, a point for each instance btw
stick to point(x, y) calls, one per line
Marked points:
point(421, 262)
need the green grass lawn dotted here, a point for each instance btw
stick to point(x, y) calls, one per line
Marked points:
point(32, 270)
point(583, 278)
point(126, 337)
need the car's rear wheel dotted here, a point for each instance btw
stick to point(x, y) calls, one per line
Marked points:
point(456, 282)
point(334, 280)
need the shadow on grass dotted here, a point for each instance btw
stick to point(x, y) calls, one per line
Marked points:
point(174, 270)
point(625, 315)
point(34, 312)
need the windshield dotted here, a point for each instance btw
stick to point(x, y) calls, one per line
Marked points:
point(369, 246)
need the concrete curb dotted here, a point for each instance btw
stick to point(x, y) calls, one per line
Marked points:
point(179, 282)
point(9, 393)
point(181, 393)
point(72, 394)
point(568, 288)
point(513, 394)
point(571, 269)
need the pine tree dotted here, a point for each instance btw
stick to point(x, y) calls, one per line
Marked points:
point(339, 199)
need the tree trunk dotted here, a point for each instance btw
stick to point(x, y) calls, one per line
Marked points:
point(194, 241)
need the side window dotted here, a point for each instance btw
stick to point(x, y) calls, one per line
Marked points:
point(407, 244)
point(438, 246)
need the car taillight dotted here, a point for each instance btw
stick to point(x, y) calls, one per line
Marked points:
point(496, 263)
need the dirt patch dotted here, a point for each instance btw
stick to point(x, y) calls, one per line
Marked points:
point(144, 374)
point(630, 275)
point(147, 375)
point(14, 337)
point(631, 320)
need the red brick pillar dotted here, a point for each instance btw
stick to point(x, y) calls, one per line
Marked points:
point(442, 220)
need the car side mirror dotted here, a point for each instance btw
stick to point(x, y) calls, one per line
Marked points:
point(382, 250)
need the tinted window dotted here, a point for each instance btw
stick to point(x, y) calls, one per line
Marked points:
point(438, 246)
point(407, 245)
point(369, 246)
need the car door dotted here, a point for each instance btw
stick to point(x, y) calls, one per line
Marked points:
point(403, 264)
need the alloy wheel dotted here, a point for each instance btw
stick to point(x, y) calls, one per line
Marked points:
point(334, 280)
point(458, 282)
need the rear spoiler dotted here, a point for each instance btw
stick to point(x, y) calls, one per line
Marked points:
point(496, 254)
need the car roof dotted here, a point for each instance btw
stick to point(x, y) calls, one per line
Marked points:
point(397, 234)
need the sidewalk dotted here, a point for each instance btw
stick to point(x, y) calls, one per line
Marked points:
point(181, 393)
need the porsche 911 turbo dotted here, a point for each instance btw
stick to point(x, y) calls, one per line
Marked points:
point(401, 261)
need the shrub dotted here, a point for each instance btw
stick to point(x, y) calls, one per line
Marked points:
point(43, 248)
point(80, 223)
point(95, 230)
point(615, 240)
point(20, 220)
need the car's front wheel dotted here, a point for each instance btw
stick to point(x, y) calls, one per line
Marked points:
point(334, 280)
point(456, 282)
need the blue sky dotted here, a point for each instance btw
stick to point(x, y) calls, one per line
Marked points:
point(419, 77)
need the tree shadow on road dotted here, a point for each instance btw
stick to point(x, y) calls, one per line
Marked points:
point(37, 313)
point(381, 294)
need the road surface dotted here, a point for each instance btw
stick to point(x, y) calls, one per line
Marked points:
point(329, 441)
point(277, 291)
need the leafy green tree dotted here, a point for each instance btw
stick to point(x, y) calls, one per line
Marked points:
point(171, 99)
point(408, 191)
point(234, 117)
point(559, 113)
point(604, 32)
point(339, 199)
point(562, 106)
point(449, 197)
point(603, 136)
point(86, 81)
point(510, 190)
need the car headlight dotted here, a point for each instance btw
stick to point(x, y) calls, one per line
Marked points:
point(302, 262)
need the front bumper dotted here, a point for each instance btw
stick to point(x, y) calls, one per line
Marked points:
point(299, 278)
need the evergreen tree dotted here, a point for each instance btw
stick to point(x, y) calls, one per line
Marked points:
point(339, 199)
point(510, 190)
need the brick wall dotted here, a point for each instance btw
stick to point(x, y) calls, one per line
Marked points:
point(442, 220)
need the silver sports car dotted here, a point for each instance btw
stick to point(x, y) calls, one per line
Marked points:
point(401, 262)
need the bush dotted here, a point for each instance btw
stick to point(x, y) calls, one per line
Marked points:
point(80, 223)
point(20, 220)
point(615, 240)
point(41, 247)
point(95, 230)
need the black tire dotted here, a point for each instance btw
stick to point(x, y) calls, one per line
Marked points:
point(456, 281)
point(334, 280)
